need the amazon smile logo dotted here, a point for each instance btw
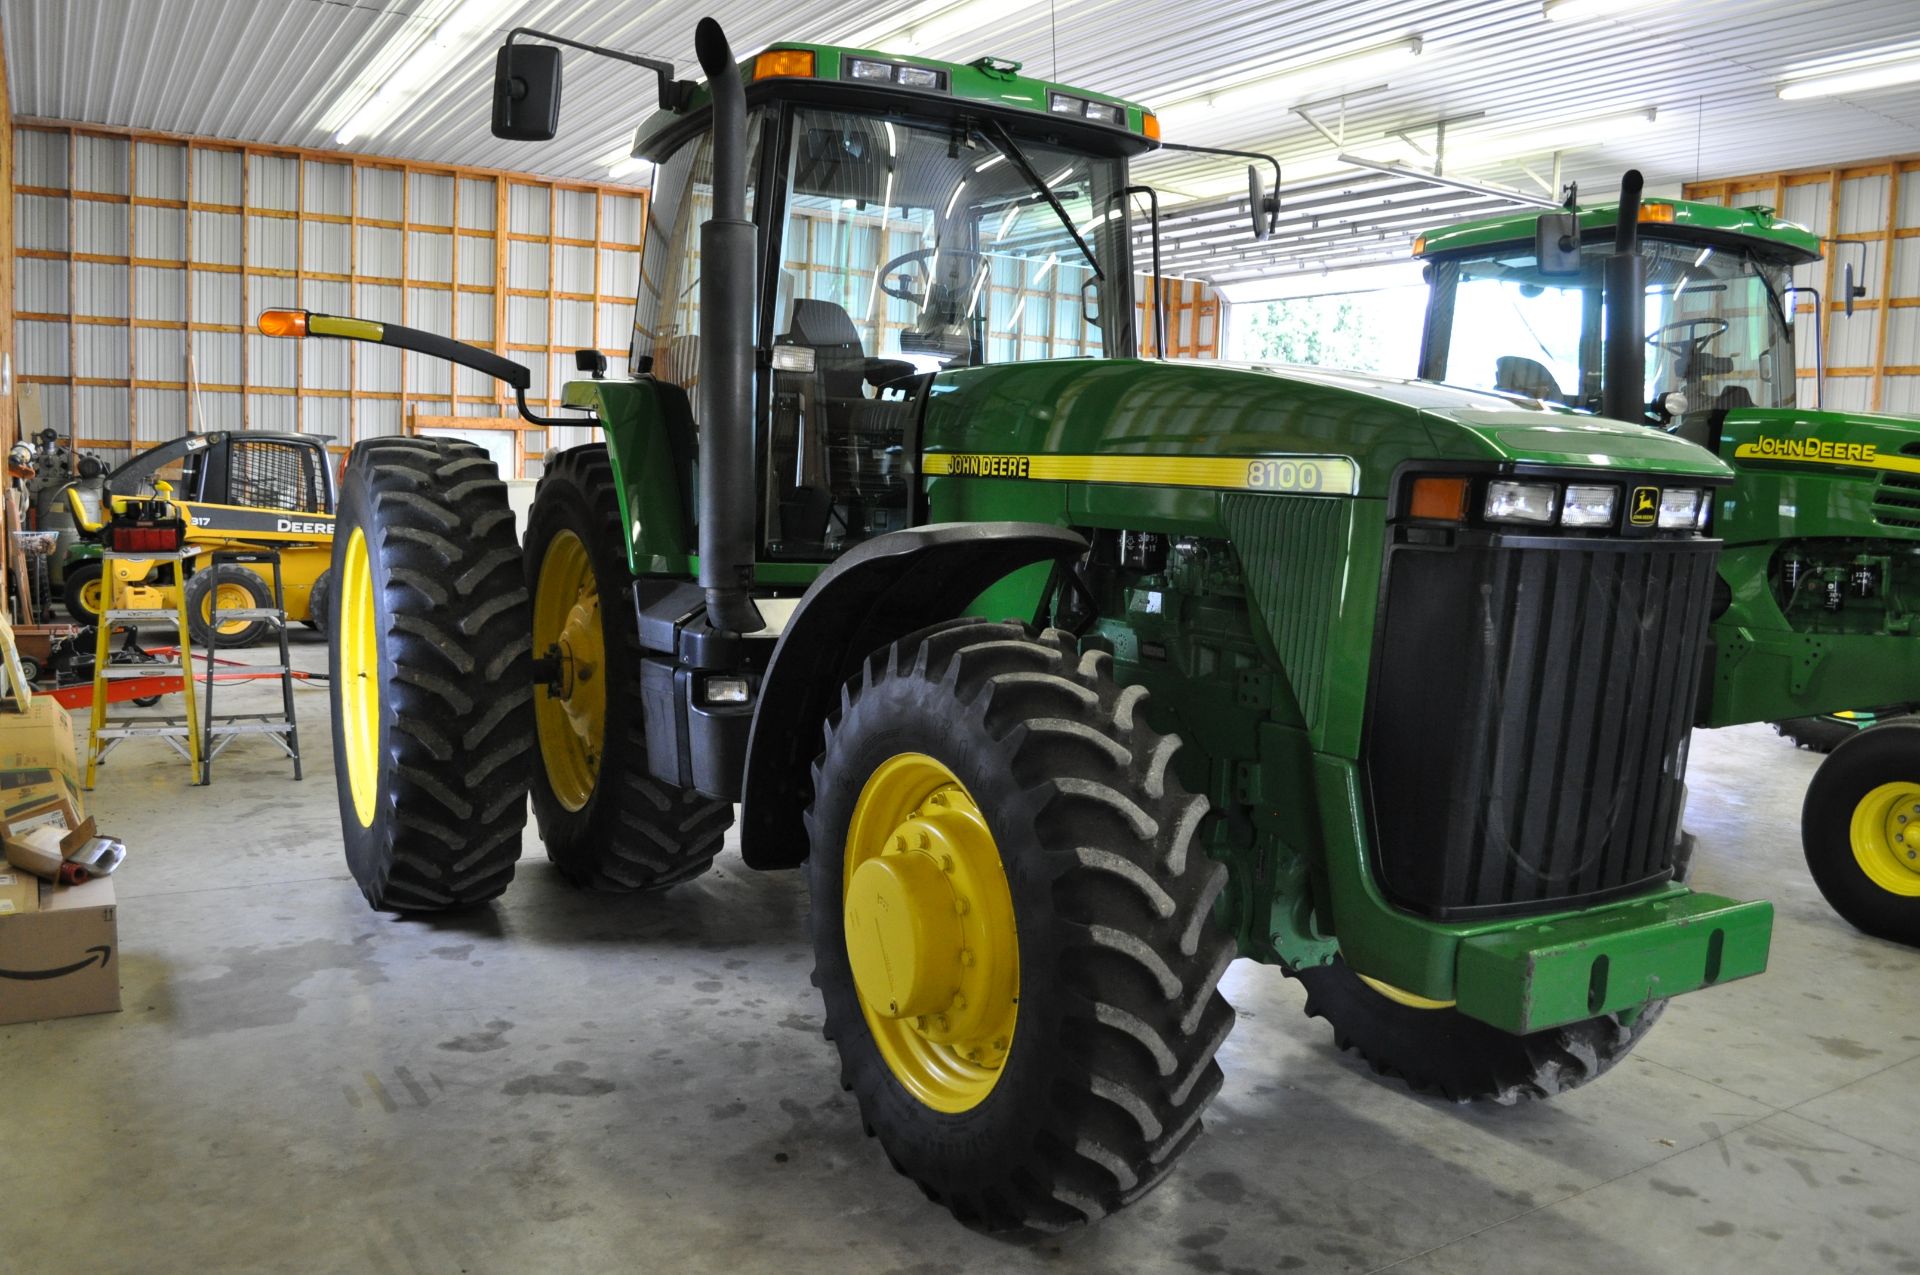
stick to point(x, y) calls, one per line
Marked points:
point(103, 953)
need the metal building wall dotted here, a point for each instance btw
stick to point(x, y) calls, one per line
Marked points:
point(144, 259)
point(1873, 358)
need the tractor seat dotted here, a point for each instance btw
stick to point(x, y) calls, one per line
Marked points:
point(1515, 374)
point(842, 369)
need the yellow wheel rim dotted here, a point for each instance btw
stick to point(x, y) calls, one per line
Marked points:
point(1400, 997)
point(225, 596)
point(1886, 838)
point(570, 713)
point(359, 678)
point(90, 599)
point(930, 933)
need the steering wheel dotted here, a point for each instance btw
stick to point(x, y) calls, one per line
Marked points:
point(1683, 347)
point(919, 257)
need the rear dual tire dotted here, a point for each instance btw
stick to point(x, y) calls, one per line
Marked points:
point(430, 676)
point(608, 824)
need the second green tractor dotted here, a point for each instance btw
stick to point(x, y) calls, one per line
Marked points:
point(1816, 610)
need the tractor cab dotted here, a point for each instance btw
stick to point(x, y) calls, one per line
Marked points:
point(256, 469)
point(1503, 315)
point(914, 219)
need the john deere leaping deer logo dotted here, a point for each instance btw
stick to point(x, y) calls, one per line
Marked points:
point(1646, 506)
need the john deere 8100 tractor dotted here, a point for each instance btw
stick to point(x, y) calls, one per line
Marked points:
point(1383, 683)
point(1819, 592)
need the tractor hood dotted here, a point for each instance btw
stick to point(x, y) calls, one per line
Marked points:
point(1215, 408)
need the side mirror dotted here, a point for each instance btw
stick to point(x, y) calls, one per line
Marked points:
point(1556, 243)
point(526, 92)
point(1851, 290)
point(1264, 208)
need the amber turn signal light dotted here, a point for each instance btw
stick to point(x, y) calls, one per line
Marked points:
point(283, 322)
point(1439, 499)
point(1150, 125)
point(787, 62)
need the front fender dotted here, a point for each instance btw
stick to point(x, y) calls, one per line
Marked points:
point(876, 594)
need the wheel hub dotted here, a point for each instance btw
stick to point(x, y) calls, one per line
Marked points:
point(1886, 837)
point(930, 932)
point(570, 709)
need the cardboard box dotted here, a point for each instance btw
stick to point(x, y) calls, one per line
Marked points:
point(18, 893)
point(62, 959)
point(37, 760)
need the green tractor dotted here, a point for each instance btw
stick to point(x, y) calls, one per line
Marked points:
point(1307, 668)
point(1818, 597)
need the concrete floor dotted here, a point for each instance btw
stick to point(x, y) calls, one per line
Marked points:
point(575, 1082)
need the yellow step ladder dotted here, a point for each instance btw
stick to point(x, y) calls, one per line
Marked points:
point(180, 731)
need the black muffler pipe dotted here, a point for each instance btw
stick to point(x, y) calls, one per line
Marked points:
point(1623, 396)
point(725, 392)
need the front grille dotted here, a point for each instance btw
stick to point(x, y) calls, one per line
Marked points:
point(1526, 743)
point(1896, 502)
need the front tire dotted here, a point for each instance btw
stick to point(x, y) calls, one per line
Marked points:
point(608, 823)
point(1036, 1050)
point(429, 676)
point(1439, 1051)
point(1854, 829)
point(82, 590)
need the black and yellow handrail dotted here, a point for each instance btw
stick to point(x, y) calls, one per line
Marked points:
point(303, 323)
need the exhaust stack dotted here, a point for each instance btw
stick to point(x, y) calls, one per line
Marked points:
point(1625, 362)
point(725, 392)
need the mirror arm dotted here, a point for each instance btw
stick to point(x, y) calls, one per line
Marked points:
point(1273, 201)
point(1159, 287)
point(674, 94)
point(520, 396)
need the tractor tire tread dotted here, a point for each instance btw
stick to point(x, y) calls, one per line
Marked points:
point(1138, 966)
point(462, 727)
point(651, 835)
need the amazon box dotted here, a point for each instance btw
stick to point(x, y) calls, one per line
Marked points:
point(62, 958)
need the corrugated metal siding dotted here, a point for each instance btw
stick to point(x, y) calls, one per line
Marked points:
point(268, 70)
point(272, 229)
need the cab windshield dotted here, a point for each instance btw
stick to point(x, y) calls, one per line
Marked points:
point(950, 245)
point(1716, 332)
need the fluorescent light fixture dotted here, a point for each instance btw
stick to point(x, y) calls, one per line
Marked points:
point(624, 163)
point(939, 23)
point(1857, 79)
point(1394, 168)
point(1287, 84)
point(1585, 10)
point(1573, 135)
point(420, 56)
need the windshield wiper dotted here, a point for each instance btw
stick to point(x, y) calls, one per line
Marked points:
point(1004, 143)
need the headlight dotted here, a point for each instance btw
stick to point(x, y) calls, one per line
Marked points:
point(1679, 508)
point(727, 690)
point(1706, 507)
point(861, 69)
point(1589, 506)
point(1522, 502)
point(918, 77)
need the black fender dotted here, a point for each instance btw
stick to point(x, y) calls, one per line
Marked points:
point(875, 594)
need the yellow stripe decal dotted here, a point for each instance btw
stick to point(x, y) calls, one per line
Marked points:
point(1821, 451)
point(351, 329)
point(1316, 475)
